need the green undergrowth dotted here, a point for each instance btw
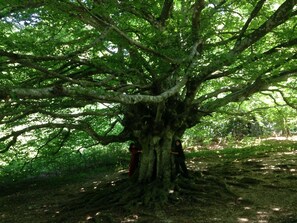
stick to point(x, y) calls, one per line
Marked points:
point(63, 167)
point(76, 169)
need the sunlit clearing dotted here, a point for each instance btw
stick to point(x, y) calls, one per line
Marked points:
point(243, 220)
point(289, 153)
point(280, 138)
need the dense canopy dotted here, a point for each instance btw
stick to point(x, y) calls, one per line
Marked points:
point(83, 72)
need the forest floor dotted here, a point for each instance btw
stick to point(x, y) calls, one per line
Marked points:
point(263, 180)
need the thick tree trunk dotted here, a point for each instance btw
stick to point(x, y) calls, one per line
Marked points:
point(155, 163)
point(153, 178)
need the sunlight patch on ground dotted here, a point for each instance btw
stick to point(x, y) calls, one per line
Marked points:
point(262, 214)
point(240, 220)
point(132, 218)
point(282, 138)
point(95, 184)
point(276, 209)
point(89, 218)
point(287, 153)
point(271, 167)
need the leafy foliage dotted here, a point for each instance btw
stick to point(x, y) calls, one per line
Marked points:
point(26, 163)
point(80, 73)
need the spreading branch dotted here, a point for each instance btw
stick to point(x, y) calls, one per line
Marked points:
point(79, 92)
point(280, 16)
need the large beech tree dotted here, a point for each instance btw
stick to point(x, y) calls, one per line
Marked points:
point(149, 69)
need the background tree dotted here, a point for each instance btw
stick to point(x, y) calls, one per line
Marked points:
point(150, 70)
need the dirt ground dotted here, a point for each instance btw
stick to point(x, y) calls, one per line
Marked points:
point(264, 185)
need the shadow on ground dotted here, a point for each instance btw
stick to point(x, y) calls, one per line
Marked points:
point(264, 185)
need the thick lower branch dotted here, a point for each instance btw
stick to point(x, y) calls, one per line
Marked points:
point(80, 92)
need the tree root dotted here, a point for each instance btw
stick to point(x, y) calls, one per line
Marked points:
point(203, 189)
point(127, 196)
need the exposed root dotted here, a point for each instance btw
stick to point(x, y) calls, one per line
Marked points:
point(205, 190)
point(126, 196)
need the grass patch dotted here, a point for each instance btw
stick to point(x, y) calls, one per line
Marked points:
point(266, 147)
